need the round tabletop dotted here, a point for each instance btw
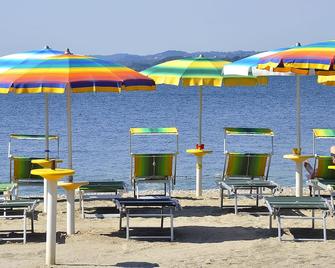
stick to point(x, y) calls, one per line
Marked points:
point(71, 185)
point(198, 152)
point(331, 167)
point(297, 157)
point(45, 162)
point(52, 174)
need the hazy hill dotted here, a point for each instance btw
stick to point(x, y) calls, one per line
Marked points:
point(139, 62)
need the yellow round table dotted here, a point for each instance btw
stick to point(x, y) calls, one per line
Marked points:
point(331, 167)
point(52, 176)
point(298, 159)
point(70, 188)
point(199, 153)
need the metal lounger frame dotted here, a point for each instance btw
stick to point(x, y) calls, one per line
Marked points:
point(28, 210)
point(249, 185)
point(126, 211)
point(275, 212)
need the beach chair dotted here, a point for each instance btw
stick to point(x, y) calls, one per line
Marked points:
point(20, 166)
point(153, 167)
point(18, 209)
point(322, 179)
point(277, 205)
point(246, 174)
point(150, 207)
point(100, 190)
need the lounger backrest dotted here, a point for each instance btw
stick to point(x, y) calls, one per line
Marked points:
point(321, 168)
point(153, 165)
point(22, 167)
point(246, 165)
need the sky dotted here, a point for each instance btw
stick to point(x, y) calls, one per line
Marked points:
point(144, 27)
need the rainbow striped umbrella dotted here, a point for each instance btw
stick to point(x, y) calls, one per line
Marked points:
point(317, 58)
point(200, 72)
point(68, 73)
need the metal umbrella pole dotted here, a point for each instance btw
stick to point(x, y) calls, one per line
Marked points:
point(198, 167)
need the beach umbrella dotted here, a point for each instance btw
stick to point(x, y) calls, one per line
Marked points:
point(198, 71)
point(312, 59)
point(19, 60)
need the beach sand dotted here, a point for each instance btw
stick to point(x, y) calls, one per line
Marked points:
point(205, 235)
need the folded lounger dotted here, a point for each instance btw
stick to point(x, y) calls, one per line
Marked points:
point(100, 190)
point(147, 207)
point(246, 174)
point(277, 204)
point(18, 209)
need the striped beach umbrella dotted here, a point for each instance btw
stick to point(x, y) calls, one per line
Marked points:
point(19, 60)
point(198, 71)
point(69, 73)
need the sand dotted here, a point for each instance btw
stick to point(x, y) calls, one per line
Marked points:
point(205, 236)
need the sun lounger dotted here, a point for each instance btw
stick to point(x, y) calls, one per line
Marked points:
point(244, 173)
point(147, 207)
point(322, 178)
point(100, 190)
point(18, 209)
point(153, 167)
point(277, 204)
point(7, 190)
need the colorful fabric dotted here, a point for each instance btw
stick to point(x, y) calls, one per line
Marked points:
point(197, 71)
point(318, 57)
point(321, 170)
point(153, 165)
point(246, 165)
point(32, 137)
point(53, 74)
point(162, 130)
point(324, 133)
point(248, 65)
point(249, 131)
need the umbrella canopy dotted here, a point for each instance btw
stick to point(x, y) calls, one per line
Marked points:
point(198, 71)
point(315, 58)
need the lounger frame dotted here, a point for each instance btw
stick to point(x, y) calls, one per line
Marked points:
point(136, 207)
point(298, 203)
point(18, 209)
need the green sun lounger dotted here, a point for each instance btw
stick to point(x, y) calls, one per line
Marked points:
point(18, 209)
point(100, 190)
point(278, 204)
point(244, 173)
point(151, 207)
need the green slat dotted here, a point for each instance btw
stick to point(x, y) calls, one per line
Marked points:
point(32, 137)
point(248, 131)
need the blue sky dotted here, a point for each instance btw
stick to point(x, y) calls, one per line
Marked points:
point(151, 26)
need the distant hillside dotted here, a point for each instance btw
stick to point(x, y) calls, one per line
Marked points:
point(139, 63)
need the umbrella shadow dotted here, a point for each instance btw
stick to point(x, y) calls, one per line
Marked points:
point(140, 264)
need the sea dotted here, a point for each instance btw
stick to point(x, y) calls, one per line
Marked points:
point(101, 123)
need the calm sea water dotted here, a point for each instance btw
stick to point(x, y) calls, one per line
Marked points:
point(101, 125)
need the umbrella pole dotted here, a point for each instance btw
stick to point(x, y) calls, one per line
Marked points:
point(198, 167)
point(298, 168)
point(69, 128)
point(70, 208)
point(45, 192)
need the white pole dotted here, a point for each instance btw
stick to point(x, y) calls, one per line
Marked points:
point(298, 113)
point(70, 224)
point(298, 179)
point(50, 258)
point(198, 168)
point(200, 115)
point(69, 128)
point(45, 195)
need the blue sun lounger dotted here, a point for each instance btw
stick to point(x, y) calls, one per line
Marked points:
point(18, 209)
point(278, 204)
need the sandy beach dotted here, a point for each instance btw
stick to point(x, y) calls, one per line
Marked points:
point(205, 235)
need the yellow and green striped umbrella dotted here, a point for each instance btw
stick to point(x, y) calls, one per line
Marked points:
point(198, 71)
